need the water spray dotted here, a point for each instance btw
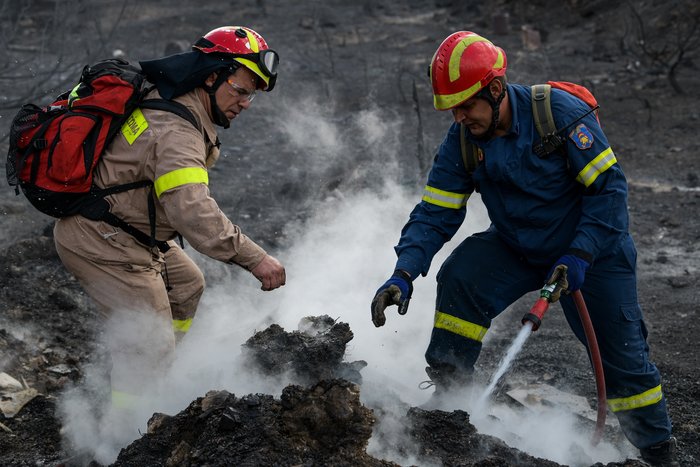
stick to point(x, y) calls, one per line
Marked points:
point(534, 317)
point(531, 323)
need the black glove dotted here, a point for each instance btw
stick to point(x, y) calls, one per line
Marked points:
point(568, 273)
point(396, 291)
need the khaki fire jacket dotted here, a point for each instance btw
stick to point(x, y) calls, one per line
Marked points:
point(168, 150)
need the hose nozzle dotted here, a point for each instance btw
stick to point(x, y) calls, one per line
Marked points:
point(540, 307)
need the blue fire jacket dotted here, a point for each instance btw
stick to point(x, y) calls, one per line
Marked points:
point(541, 207)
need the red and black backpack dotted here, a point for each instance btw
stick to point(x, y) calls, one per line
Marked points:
point(55, 149)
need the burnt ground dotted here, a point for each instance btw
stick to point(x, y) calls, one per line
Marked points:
point(345, 63)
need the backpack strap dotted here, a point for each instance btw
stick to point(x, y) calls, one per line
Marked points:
point(171, 106)
point(550, 141)
point(111, 219)
point(542, 109)
point(470, 152)
point(143, 238)
point(98, 208)
point(540, 96)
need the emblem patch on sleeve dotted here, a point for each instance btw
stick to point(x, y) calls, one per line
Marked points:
point(581, 136)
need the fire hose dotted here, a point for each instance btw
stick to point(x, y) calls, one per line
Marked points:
point(535, 315)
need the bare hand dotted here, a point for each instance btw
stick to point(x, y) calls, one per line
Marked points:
point(270, 272)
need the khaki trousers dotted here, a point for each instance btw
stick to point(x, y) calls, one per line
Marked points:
point(126, 280)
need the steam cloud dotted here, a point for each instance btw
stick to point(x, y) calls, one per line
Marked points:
point(334, 266)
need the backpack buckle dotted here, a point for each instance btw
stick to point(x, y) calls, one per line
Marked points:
point(40, 143)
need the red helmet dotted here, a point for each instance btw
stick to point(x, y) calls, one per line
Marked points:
point(464, 64)
point(247, 48)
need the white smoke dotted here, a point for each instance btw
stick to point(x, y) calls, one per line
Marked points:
point(338, 259)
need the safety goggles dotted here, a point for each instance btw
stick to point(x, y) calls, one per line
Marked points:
point(267, 60)
point(242, 92)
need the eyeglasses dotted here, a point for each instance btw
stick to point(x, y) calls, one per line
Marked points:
point(243, 93)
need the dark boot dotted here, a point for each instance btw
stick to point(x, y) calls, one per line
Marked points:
point(662, 454)
point(448, 383)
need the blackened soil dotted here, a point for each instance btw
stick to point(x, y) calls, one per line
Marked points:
point(358, 55)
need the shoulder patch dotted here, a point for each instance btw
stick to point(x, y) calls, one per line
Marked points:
point(134, 126)
point(581, 136)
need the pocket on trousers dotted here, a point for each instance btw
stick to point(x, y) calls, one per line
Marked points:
point(630, 312)
point(628, 333)
point(124, 248)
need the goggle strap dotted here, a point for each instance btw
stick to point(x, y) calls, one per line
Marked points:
point(222, 76)
point(257, 57)
point(203, 42)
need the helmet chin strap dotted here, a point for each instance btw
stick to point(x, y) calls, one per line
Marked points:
point(485, 94)
point(218, 116)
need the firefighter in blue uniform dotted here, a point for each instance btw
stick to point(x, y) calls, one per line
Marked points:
point(547, 211)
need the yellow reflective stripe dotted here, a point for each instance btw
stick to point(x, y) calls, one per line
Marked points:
point(180, 177)
point(251, 65)
point(500, 60)
point(182, 325)
point(597, 166)
point(254, 67)
point(446, 101)
point(123, 400)
point(650, 397)
point(458, 326)
point(254, 46)
point(134, 126)
point(456, 56)
point(443, 198)
point(73, 96)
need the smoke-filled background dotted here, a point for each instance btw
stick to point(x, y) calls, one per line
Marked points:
point(324, 171)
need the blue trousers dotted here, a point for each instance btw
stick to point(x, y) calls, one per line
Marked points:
point(483, 276)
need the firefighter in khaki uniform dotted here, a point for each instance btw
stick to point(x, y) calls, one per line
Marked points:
point(216, 81)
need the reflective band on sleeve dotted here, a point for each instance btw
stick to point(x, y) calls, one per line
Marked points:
point(459, 326)
point(134, 126)
point(180, 177)
point(182, 325)
point(650, 397)
point(597, 166)
point(444, 198)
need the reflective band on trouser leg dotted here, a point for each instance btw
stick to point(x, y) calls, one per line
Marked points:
point(180, 177)
point(124, 400)
point(182, 325)
point(650, 397)
point(444, 199)
point(597, 166)
point(459, 326)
